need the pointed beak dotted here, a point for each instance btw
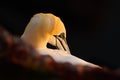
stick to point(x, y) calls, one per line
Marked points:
point(59, 42)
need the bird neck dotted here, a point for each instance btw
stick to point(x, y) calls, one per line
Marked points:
point(38, 41)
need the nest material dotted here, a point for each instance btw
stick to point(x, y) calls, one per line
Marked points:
point(21, 61)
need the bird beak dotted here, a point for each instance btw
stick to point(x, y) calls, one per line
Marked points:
point(59, 42)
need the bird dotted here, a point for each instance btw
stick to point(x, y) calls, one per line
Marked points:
point(44, 28)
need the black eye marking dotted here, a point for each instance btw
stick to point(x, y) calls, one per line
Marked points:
point(62, 35)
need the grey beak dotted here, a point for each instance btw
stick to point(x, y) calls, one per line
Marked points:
point(59, 41)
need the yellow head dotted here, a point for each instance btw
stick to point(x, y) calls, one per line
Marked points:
point(42, 28)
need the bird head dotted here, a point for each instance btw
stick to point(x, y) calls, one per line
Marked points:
point(46, 26)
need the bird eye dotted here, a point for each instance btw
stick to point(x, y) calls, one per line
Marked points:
point(62, 35)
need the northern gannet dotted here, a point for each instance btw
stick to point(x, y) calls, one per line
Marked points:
point(46, 28)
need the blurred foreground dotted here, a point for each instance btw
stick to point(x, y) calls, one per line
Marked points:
point(20, 61)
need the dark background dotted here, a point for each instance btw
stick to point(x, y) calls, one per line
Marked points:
point(93, 26)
